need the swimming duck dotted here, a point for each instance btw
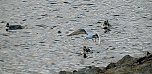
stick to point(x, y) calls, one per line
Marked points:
point(86, 49)
point(106, 26)
point(13, 27)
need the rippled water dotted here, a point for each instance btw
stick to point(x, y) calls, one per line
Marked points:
point(41, 49)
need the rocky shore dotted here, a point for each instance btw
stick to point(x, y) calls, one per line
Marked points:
point(126, 65)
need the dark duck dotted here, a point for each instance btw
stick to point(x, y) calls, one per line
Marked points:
point(86, 49)
point(13, 27)
point(106, 26)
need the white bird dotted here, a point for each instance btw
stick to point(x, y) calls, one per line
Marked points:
point(89, 34)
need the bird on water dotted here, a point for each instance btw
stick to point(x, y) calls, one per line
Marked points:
point(106, 26)
point(89, 34)
point(13, 27)
point(86, 49)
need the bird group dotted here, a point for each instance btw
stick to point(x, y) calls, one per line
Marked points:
point(90, 35)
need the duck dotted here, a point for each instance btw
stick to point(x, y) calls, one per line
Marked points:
point(13, 27)
point(84, 55)
point(106, 23)
point(86, 49)
point(106, 26)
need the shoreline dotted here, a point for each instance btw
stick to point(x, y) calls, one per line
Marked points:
point(126, 65)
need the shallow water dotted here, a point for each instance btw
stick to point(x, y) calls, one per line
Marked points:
point(40, 49)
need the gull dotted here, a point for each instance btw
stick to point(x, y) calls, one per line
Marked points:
point(92, 36)
point(89, 34)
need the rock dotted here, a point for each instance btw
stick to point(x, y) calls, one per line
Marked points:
point(144, 59)
point(88, 70)
point(111, 65)
point(126, 65)
point(126, 61)
point(130, 65)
